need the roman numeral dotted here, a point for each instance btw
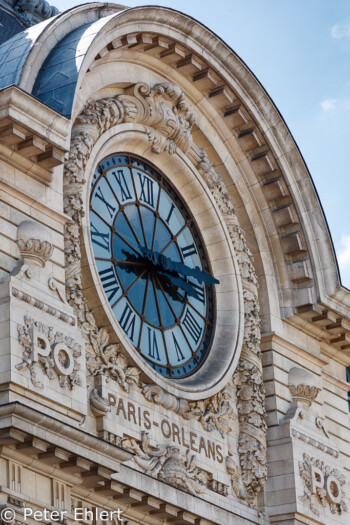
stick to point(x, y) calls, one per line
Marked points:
point(199, 291)
point(124, 188)
point(127, 321)
point(152, 345)
point(170, 213)
point(101, 239)
point(99, 195)
point(179, 354)
point(109, 282)
point(146, 194)
point(192, 326)
point(189, 250)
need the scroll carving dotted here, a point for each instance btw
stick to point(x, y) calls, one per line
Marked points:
point(168, 120)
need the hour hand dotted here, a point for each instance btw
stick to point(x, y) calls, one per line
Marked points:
point(181, 283)
point(172, 266)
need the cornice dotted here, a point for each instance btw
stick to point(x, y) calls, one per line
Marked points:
point(29, 421)
point(272, 338)
point(33, 137)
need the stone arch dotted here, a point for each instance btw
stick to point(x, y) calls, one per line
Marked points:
point(274, 195)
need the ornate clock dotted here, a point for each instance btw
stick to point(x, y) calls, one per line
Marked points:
point(152, 265)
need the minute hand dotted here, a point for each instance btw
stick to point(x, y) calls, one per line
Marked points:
point(174, 266)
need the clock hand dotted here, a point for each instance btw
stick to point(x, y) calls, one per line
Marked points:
point(180, 283)
point(173, 266)
point(174, 279)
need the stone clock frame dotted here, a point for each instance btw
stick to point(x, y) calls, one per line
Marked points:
point(155, 122)
point(227, 341)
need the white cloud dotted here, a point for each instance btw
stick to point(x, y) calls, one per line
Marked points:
point(333, 104)
point(341, 29)
point(329, 104)
point(344, 253)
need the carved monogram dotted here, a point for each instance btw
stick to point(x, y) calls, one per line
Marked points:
point(323, 485)
point(167, 118)
point(45, 349)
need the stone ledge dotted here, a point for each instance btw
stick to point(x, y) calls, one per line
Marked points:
point(33, 137)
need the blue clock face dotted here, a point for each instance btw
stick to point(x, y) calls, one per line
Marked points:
point(152, 265)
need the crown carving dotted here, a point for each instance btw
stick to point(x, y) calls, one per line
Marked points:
point(302, 386)
point(33, 243)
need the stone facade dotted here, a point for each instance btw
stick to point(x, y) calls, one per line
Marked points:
point(88, 430)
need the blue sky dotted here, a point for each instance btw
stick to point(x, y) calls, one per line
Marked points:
point(300, 52)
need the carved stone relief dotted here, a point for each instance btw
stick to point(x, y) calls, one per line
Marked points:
point(168, 121)
point(302, 385)
point(33, 243)
point(170, 465)
point(33, 11)
point(323, 486)
point(50, 352)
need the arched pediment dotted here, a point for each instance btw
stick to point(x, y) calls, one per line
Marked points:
point(237, 125)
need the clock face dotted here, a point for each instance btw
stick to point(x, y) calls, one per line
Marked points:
point(152, 265)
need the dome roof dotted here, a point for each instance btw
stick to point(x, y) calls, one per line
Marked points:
point(57, 47)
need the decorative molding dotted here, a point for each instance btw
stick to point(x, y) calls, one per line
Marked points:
point(315, 443)
point(157, 395)
point(164, 110)
point(53, 352)
point(168, 464)
point(22, 270)
point(29, 299)
point(323, 485)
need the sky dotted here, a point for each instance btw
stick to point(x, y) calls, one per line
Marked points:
point(300, 52)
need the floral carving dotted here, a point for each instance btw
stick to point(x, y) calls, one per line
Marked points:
point(236, 479)
point(114, 364)
point(168, 464)
point(53, 352)
point(248, 375)
point(216, 412)
point(168, 120)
